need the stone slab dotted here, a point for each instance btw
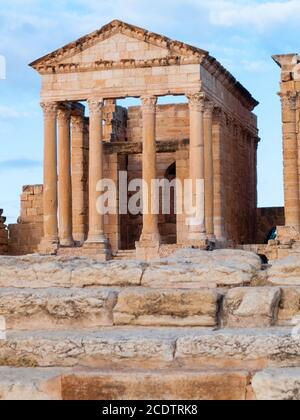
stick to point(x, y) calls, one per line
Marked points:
point(277, 385)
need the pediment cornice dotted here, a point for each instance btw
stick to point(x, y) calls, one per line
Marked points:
point(175, 48)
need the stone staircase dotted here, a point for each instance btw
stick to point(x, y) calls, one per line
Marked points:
point(199, 325)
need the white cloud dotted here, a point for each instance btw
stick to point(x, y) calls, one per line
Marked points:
point(260, 15)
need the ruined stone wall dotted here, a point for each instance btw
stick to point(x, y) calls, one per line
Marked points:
point(172, 122)
point(25, 236)
point(267, 219)
point(3, 234)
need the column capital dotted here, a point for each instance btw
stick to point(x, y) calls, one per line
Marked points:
point(63, 115)
point(209, 107)
point(196, 101)
point(289, 99)
point(50, 109)
point(77, 123)
point(149, 103)
point(95, 105)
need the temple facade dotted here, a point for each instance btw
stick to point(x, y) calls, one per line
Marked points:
point(212, 137)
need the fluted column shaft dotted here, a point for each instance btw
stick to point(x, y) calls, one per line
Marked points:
point(64, 177)
point(50, 176)
point(290, 151)
point(209, 170)
point(150, 221)
point(96, 220)
point(197, 168)
point(78, 178)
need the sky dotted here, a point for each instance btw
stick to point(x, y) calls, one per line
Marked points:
point(241, 34)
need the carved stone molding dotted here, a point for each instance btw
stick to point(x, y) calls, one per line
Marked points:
point(77, 124)
point(95, 106)
point(50, 109)
point(149, 104)
point(208, 109)
point(63, 115)
point(196, 101)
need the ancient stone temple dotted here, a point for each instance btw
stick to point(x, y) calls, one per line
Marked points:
point(212, 137)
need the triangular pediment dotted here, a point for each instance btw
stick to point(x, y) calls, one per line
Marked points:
point(118, 42)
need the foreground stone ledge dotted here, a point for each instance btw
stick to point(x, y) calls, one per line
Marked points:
point(152, 307)
point(30, 384)
point(149, 385)
point(277, 385)
point(289, 310)
point(243, 348)
point(109, 347)
point(35, 309)
point(153, 348)
point(42, 272)
point(251, 307)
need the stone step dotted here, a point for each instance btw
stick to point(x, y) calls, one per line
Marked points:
point(107, 385)
point(92, 307)
point(96, 306)
point(152, 348)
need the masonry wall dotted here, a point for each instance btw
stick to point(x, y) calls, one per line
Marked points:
point(25, 236)
point(3, 234)
point(267, 219)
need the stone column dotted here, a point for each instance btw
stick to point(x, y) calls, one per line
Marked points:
point(96, 236)
point(150, 238)
point(79, 178)
point(197, 230)
point(49, 243)
point(290, 152)
point(64, 177)
point(209, 171)
point(219, 176)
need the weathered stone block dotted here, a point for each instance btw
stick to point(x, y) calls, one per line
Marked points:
point(167, 307)
point(251, 307)
point(277, 384)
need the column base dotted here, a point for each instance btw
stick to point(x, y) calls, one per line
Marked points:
point(97, 249)
point(147, 250)
point(48, 246)
point(66, 243)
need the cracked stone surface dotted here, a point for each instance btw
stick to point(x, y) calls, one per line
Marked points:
point(35, 309)
point(30, 384)
point(277, 385)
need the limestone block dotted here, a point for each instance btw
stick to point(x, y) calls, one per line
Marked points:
point(247, 348)
point(195, 268)
point(30, 384)
point(38, 309)
point(277, 384)
point(106, 347)
point(251, 307)
point(285, 272)
point(148, 385)
point(289, 309)
point(167, 307)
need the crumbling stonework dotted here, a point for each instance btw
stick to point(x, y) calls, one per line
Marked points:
point(25, 236)
point(3, 234)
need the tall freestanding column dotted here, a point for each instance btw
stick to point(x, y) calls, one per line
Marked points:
point(290, 151)
point(150, 239)
point(64, 177)
point(209, 171)
point(79, 179)
point(96, 237)
point(197, 231)
point(49, 243)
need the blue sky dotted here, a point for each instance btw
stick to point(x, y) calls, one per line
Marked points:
point(242, 34)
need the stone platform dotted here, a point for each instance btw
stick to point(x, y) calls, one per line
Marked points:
point(198, 325)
